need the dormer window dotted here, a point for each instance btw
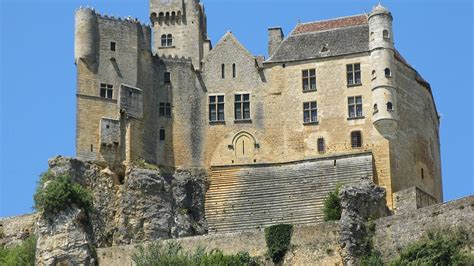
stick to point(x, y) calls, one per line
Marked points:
point(166, 40)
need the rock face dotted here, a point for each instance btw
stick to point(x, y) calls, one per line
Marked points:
point(64, 238)
point(360, 203)
point(131, 205)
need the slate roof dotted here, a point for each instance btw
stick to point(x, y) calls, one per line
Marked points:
point(339, 37)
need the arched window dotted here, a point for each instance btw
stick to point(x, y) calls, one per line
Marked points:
point(376, 109)
point(385, 34)
point(234, 71)
point(173, 16)
point(321, 145)
point(372, 36)
point(223, 71)
point(388, 73)
point(356, 139)
point(167, 16)
point(389, 106)
point(374, 74)
point(163, 40)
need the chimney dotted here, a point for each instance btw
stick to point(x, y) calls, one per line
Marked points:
point(275, 37)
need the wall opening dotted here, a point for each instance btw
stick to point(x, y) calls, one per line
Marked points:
point(356, 139)
point(223, 71)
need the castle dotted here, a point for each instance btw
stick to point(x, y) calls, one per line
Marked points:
point(334, 101)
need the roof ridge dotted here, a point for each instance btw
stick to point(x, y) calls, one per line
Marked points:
point(331, 19)
point(332, 29)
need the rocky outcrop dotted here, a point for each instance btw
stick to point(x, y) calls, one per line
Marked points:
point(14, 230)
point(64, 238)
point(131, 205)
point(360, 203)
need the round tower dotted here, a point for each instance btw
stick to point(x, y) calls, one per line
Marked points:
point(384, 91)
point(86, 38)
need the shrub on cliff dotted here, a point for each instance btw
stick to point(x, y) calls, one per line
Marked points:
point(21, 254)
point(332, 206)
point(157, 254)
point(278, 239)
point(53, 194)
point(444, 247)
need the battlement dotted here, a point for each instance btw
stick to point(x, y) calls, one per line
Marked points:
point(128, 19)
point(173, 58)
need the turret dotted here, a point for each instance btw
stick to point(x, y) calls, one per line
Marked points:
point(86, 39)
point(179, 28)
point(384, 91)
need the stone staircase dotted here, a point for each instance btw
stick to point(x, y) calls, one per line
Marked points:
point(255, 196)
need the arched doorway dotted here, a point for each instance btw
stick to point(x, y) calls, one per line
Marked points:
point(244, 147)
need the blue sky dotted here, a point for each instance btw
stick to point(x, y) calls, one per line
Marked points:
point(37, 73)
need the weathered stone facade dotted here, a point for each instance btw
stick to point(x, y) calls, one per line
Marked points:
point(176, 101)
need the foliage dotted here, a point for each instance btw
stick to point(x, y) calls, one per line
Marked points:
point(53, 194)
point(21, 254)
point(157, 254)
point(278, 238)
point(141, 163)
point(443, 247)
point(372, 259)
point(332, 206)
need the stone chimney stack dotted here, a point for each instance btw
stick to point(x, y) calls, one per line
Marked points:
point(275, 37)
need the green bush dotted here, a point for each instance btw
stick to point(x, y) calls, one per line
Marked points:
point(278, 238)
point(171, 254)
point(59, 193)
point(332, 206)
point(22, 254)
point(372, 259)
point(444, 247)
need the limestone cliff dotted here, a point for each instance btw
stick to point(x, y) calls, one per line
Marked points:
point(130, 205)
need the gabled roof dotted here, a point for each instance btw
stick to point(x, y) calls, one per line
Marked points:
point(322, 40)
point(231, 38)
point(330, 24)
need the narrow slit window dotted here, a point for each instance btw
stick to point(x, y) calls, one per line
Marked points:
point(321, 145)
point(222, 71)
point(234, 71)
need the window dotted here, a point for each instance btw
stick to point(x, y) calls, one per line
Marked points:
point(356, 139)
point(165, 109)
point(92, 148)
point(242, 106)
point(216, 108)
point(106, 90)
point(388, 73)
point(389, 106)
point(321, 145)
point(223, 71)
point(310, 112)
point(422, 174)
point(234, 71)
point(167, 78)
point(355, 106)
point(309, 79)
point(112, 46)
point(374, 74)
point(166, 40)
point(162, 134)
point(385, 34)
point(376, 109)
point(353, 74)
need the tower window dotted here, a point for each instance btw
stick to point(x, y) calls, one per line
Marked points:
point(165, 109)
point(242, 106)
point(223, 71)
point(374, 74)
point(167, 78)
point(389, 106)
point(112, 46)
point(353, 74)
point(356, 139)
point(321, 145)
point(92, 148)
point(162, 134)
point(216, 108)
point(166, 40)
point(309, 79)
point(355, 106)
point(385, 34)
point(388, 73)
point(310, 112)
point(106, 90)
point(376, 109)
point(234, 71)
